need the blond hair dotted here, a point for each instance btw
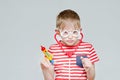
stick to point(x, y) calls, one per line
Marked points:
point(65, 15)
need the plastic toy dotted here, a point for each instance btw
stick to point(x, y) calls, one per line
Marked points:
point(48, 55)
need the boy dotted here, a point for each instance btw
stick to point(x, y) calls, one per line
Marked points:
point(73, 58)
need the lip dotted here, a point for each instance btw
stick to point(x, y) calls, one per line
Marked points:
point(70, 41)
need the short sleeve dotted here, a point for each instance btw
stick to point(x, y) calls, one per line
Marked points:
point(92, 55)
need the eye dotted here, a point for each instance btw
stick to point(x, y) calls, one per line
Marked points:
point(75, 32)
point(65, 33)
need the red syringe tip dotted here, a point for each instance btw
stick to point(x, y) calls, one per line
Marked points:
point(42, 48)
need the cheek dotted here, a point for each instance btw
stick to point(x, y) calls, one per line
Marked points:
point(64, 39)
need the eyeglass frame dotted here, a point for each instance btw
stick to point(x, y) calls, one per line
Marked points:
point(70, 33)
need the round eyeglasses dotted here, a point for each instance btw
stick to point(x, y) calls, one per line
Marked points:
point(66, 33)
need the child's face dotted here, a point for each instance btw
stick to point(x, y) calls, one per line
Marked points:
point(70, 33)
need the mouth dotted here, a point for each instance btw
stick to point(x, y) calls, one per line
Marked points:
point(70, 41)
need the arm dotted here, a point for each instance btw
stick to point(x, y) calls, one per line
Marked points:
point(89, 68)
point(47, 69)
point(91, 73)
point(47, 65)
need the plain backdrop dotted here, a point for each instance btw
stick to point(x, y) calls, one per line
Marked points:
point(27, 24)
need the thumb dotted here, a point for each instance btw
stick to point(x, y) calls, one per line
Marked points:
point(81, 57)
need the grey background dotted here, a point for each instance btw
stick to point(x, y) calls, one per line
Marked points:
point(26, 24)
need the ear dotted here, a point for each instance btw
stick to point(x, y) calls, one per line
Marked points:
point(80, 29)
point(57, 31)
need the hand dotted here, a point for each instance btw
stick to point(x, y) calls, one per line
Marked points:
point(89, 68)
point(86, 64)
point(45, 64)
point(47, 69)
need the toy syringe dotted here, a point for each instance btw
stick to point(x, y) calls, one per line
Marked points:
point(47, 54)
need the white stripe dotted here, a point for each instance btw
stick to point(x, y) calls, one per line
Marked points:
point(93, 51)
point(77, 70)
point(71, 74)
point(61, 70)
point(60, 57)
point(93, 57)
point(95, 60)
point(72, 69)
point(78, 74)
point(81, 52)
point(56, 54)
point(78, 78)
point(91, 48)
point(61, 63)
point(53, 48)
point(82, 48)
point(62, 77)
point(55, 51)
point(92, 54)
point(64, 59)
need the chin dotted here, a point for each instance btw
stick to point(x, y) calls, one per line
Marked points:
point(70, 44)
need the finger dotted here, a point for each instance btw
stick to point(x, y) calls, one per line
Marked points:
point(44, 63)
point(81, 57)
point(48, 61)
point(82, 60)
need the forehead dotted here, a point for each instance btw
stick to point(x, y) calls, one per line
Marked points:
point(69, 25)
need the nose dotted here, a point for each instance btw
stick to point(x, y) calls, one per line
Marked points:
point(70, 36)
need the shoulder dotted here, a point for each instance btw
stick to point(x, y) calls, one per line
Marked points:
point(86, 44)
point(53, 46)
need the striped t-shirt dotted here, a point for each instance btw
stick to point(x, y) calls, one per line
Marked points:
point(65, 67)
